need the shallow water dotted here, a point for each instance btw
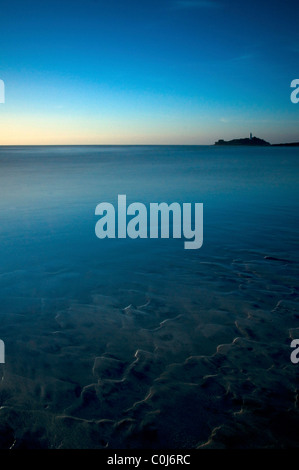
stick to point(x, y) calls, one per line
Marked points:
point(140, 343)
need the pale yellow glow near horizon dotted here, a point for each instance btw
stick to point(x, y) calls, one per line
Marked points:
point(68, 137)
point(103, 129)
point(69, 130)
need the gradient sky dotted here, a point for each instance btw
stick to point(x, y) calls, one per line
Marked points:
point(148, 71)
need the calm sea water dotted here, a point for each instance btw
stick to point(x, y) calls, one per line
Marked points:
point(76, 311)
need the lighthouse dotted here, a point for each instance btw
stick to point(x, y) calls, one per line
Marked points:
point(250, 136)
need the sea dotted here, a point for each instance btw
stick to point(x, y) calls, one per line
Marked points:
point(122, 343)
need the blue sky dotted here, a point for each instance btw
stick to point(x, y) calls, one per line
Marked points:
point(148, 71)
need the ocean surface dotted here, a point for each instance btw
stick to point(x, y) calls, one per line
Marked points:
point(139, 343)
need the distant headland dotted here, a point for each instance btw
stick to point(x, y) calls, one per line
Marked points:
point(254, 141)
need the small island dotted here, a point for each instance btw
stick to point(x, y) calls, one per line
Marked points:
point(254, 141)
point(291, 144)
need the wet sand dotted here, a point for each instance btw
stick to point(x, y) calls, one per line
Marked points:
point(168, 364)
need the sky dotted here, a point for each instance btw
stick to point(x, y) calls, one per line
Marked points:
point(148, 71)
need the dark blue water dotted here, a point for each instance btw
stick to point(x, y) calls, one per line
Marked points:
point(105, 329)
